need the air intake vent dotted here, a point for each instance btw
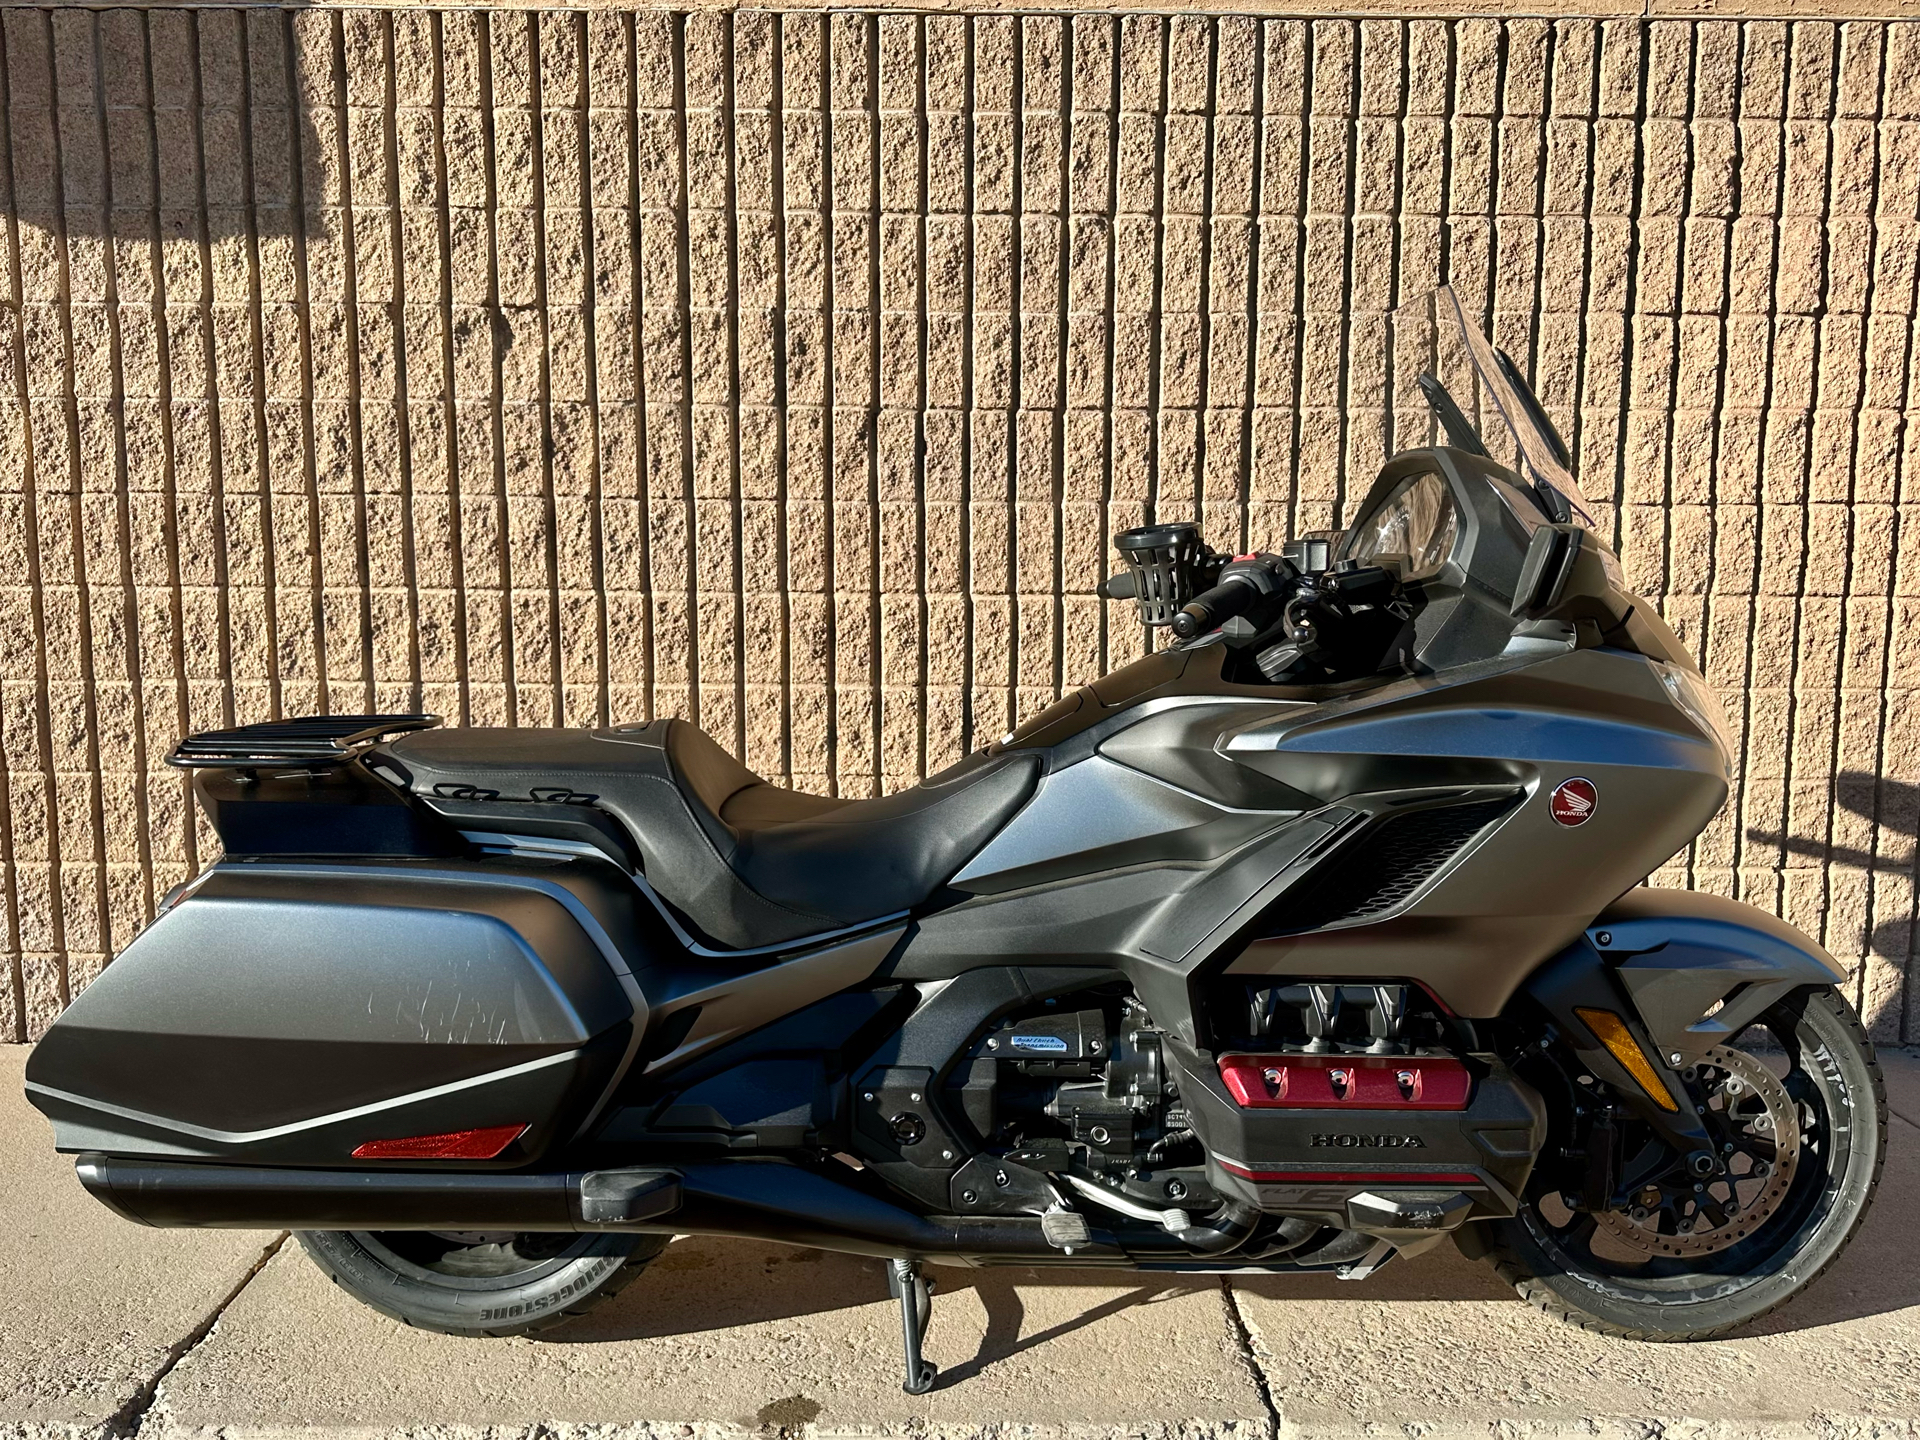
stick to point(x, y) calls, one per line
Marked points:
point(1377, 873)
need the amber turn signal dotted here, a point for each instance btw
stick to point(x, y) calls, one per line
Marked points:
point(1612, 1032)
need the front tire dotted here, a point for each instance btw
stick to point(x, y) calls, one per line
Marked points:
point(1679, 1268)
point(478, 1282)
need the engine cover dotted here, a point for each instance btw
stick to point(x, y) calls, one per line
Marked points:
point(1361, 1123)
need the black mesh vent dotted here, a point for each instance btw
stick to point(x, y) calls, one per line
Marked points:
point(1377, 873)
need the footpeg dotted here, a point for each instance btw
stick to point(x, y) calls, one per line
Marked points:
point(1413, 1221)
point(1065, 1230)
point(613, 1197)
point(1397, 1211)
point(915, 1293)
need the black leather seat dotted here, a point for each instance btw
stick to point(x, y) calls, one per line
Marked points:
point(748, 862)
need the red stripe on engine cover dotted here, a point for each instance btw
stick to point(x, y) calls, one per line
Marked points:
point(1354, 1177)
point(1355, 1082)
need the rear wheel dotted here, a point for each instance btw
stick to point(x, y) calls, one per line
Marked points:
point(476, 1282)
point(1798, 1106)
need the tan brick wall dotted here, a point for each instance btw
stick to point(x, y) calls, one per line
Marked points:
point(789, 372)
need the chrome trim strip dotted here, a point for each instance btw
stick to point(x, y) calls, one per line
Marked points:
point(248, 1137)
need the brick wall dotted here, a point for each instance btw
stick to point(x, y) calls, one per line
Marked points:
point(790, 371)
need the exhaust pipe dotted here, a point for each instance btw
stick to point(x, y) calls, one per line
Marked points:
point(242, 1197)
point(770, 1201)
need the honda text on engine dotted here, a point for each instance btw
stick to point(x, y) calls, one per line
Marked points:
point(1314, 938)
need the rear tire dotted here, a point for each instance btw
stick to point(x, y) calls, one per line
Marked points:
point(1682, 1288)
point(480, 1283)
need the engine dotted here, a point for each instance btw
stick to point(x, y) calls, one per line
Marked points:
point(1315, 1092)
point(1389, 1019)
point(1082, 1090)
point(1342, 1111)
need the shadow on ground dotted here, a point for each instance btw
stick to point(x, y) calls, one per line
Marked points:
point(702, 1283)
point(713, 1284)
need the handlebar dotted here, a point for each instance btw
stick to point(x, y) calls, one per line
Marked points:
point(1211, 609)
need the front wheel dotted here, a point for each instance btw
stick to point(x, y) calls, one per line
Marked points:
point(471, 1282)
point(1799, 1106)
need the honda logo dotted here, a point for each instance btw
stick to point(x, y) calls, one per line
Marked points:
point(1574, 801)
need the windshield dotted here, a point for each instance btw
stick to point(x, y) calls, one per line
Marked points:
point(1432, 336)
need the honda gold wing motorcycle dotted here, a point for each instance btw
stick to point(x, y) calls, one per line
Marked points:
point(1314, 938)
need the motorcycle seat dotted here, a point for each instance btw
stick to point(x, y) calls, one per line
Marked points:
point(748, 862)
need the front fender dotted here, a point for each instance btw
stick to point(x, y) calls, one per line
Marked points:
point(1660, 960)
point(1678, 953)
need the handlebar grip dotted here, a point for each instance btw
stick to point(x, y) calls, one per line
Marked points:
point(1212, 608)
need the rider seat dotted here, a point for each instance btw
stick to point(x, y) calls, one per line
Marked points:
point(748, 862)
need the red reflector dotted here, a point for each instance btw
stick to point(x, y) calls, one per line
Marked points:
point(456, 1145)
point(1359, 1082)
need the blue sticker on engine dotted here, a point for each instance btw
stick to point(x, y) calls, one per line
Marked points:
point(1052, 1044)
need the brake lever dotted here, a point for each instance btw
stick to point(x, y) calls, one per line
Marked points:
point(1332, 595)
point(1298, 623)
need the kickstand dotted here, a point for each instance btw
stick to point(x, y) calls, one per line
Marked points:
point(916, 1309)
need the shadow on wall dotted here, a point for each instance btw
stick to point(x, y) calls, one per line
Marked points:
point(1891, 806)
point(187, 125)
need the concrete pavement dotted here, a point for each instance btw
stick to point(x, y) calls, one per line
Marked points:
point(109, 1328)
point(91, 1307)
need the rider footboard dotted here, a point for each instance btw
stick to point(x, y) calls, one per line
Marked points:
point(348, 1014)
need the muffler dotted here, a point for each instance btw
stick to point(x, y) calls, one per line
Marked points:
point(760, 1201)
point(151, 1192)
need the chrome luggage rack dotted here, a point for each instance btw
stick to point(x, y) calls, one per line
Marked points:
point(310, 740)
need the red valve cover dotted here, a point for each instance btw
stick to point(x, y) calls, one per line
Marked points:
point(1358, 1082)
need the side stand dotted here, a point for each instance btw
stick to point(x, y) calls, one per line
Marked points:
point(915, 1292)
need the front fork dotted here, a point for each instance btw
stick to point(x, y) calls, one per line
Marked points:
point(1601, 1030)
point(1613, 1074)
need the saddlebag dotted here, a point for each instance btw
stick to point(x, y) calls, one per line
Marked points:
point(350, 1014)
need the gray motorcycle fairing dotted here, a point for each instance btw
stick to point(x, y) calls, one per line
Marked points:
point(1058, 885)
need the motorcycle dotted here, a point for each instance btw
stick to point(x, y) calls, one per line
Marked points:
point(1314, 938)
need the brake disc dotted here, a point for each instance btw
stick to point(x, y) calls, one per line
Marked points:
point(1755, 1115)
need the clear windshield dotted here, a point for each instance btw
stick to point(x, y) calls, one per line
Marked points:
point(1432, 335)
